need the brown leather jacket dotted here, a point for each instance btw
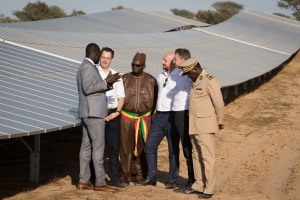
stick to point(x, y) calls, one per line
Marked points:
point(140, 93)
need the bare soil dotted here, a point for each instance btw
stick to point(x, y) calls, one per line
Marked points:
point(258, 153)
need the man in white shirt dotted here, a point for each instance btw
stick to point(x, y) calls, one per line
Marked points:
point(164, 125)
point(181, 110)
point(115, 101)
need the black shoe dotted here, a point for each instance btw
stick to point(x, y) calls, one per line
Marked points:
point(191, 191)
point(125, 183)
point(117, 184)
point(145, 182)
point(205, 196)
point(170, 185)
point(186, 187)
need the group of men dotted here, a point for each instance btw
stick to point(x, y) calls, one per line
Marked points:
point(188, 106)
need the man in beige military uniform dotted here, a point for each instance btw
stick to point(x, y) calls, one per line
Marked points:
point(206, 113)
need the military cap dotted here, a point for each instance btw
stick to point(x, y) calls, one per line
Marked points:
point(188, 65)
point(140, 57)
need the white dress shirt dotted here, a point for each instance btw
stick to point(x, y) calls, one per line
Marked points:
point(181, 99)
point(117, 91)
point(165, 99)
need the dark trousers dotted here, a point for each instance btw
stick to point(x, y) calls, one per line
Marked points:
point(182, 125)
point(112, 137)
point(163, 125)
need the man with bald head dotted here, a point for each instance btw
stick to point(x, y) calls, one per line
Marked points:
point(139, 105)
point(164, 124)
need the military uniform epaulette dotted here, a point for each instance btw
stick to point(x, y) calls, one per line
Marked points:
point(209, 76)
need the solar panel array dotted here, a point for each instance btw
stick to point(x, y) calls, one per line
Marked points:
point(38, 92)
point(115, 21)
point(38, 89)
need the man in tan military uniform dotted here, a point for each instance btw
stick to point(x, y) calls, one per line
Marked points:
point(206, 113)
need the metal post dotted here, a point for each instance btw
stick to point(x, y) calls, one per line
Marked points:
point(265, 75)
point(236, 90)
point(252, 81)
point(225, 93)
point(259, 79)
point(35, 161)
point(245, 86)
point(270, 73)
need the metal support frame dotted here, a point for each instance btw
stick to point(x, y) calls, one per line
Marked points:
point(270, 73)
point(245, 86)
point(34, 175)
point(265, 75)
point(236, 90)
point(225, 93)
point(259, 79)
point(252, 81)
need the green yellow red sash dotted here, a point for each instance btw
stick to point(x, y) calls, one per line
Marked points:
point(140, 121)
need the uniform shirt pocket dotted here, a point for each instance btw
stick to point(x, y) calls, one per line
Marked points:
point(201, 114)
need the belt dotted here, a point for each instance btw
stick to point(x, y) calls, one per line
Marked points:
point(111, 110)
point(139, 123)
point(163, 112)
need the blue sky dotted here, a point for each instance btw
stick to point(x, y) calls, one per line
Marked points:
point(94, 6)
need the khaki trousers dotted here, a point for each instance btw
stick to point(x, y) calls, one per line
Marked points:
point(203, 153)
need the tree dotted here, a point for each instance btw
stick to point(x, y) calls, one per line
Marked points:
point(224, 10)
point(119, 7)
point(183, 13)
point(4, 19)
point(293, 5)
point(39, 11)
point(282, 15)
point(228, 7)
point(76, 12)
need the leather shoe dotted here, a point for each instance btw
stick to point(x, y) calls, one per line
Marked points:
point(205, 196)
point(186, 187)
point(145, 182)
point(170, 185)
point(125, 183)
point(83, 186)
point(191, 191)
point(105, 188)
point(118, 184)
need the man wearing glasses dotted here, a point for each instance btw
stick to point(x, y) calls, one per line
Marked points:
point(164, 124)
point(139, 105)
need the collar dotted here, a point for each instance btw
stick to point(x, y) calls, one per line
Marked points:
point(101, 69)
point(174, 72)
point(90, 61)
point(200, 78)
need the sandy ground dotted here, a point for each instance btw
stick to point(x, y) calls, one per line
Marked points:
point(258, 153)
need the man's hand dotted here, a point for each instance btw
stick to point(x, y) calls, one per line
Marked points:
point(221, 126)
point(111, 116)
point(112, 78)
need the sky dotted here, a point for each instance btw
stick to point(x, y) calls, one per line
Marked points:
point(95, 6)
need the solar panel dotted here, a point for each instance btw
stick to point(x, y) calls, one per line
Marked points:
point(114, 21)
point(265, 30)
point(38, 95)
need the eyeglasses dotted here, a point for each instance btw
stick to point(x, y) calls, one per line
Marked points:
point(166, 80)
point(137, 65)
